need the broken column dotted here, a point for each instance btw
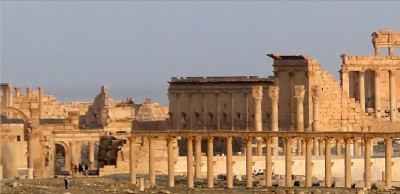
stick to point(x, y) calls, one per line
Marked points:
point(197, 157)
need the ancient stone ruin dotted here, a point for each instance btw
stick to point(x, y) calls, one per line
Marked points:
point(298, 127)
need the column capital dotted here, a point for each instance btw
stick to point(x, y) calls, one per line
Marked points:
point(299, 92)
point(197, 139)
point(210, 138)
point(361, 73)
point(257, 92)
point(248, 138)
point(315, 93)
point(377, 72)
point(273, 92)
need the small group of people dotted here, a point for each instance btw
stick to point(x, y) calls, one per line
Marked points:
point(81, 168)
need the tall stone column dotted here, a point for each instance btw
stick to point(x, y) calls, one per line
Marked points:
point(190, 162)
point(41, 95)
point(171, 161)
point(17, 91)
point(347, 163)
point(392, 91)
point(308, 166)
point(152, 170)
point(376, 50)
point(345, 82)
point(204, 113)
point(132, 159)
point(315, 124)
point(328, 170)
point(197, 157)
point(268, 162)
point(288, 161)
point(273, 92)
point(229, 163)
point(377, 95)
point(76, 152)
point(10, 96)
point(361, 81)
point(210, 162)
point(299, 93)
point(257, 92)
point(338, 147)
point(91, 154)
point(367, 163)
point(30, 155)
point(388, 162)
point(249, 162)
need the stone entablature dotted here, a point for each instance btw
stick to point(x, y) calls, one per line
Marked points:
point(219, 79)
point(361, 63)
point(385, 39)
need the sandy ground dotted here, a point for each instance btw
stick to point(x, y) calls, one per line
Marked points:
point(120, 184)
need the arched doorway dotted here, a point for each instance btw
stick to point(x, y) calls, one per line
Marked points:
point(61, 159)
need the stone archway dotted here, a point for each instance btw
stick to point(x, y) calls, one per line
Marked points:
point(62, 158)
point(32, 135)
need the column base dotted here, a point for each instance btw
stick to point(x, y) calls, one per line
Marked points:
point(30, 173)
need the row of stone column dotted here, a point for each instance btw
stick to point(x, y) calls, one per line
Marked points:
point(392, 91)
point(195, 164)
point(75, 154)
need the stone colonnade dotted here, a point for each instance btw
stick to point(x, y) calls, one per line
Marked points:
point(267, 137)
point(377, 81)
point(75, 148)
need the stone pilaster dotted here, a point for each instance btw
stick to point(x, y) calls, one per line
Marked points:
point(345, 82)
point(392, 91)
point(361, 82)
point(377, 95)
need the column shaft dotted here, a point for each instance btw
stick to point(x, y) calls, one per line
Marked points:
point(249, 163)
point(338, 147)
point(91, 154)
point(210, 162)
point(361, 82)
point(377, 95)
point(268, 162)
point(132, 159)
point(388, 163)
point(152, 170)
point(299, 93)
point(190, 162)
point(273, 92)
point(392, 91)
point(347, 162)
point(328, 170)
point(229, 163)
point(204, 113)
point(308, 166)
point(197, 157)
point(41, 95)
point(30, 153)
point(345, 82)
point(367, 163)
point(288, 161)
point(171, 161)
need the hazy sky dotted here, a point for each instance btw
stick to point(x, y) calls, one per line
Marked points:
point(134, 47)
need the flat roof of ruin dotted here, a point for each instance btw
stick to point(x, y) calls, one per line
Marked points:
point(288, 57)
point(221, 79)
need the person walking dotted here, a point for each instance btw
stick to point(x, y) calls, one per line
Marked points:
point(66, 181)
point(80, 169)
point(75, 170)
point(86, 169)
